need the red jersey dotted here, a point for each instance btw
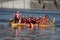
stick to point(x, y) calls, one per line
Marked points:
point(47, 20)
point(42, 21)
point(16, 15)
point(23, 20)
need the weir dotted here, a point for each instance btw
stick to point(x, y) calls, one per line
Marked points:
point(15, 4)
point(31, 4)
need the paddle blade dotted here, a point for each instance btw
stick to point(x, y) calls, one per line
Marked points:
point(53, 21)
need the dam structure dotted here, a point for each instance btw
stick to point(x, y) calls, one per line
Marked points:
point(15, 4)
point(31, 4)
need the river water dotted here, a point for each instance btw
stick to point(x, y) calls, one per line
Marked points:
point(51, 33)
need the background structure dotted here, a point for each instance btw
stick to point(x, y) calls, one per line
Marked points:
point(31, 4)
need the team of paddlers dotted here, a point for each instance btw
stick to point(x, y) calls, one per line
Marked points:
point(26, 19)
point(29, 20)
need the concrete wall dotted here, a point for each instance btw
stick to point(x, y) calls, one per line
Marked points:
point(0, 4)
point(7, 4)
point(18, 4)
point(31, 4)
point(27, 4)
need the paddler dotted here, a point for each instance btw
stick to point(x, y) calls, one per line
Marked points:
point(28, 20)
point(47, 19)
point(16, 17)
point(33, 20)
point(23, 20)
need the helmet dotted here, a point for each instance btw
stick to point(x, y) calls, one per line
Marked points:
point(17, 11)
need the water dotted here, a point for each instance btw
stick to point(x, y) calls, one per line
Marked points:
point(6, 33)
